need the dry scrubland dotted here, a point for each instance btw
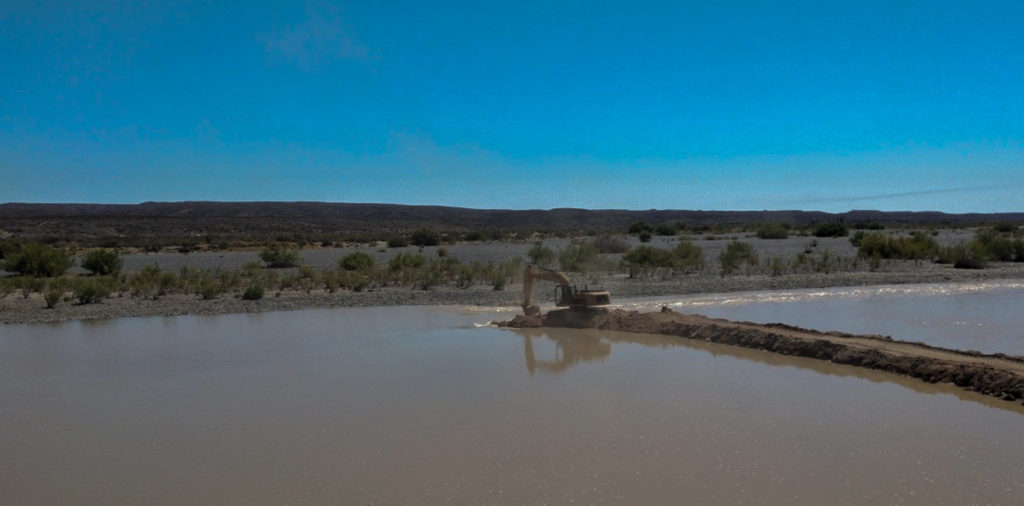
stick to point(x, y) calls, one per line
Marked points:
point(488, 272)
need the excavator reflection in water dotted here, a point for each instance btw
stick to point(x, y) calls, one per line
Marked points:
point(570, 349)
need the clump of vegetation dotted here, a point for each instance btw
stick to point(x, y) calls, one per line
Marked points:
point(689, 256)
point(541, 255)
point(36, 259)
point(665, 229)
point(425, 237)
point(90, 291)
point(102, 262)
point(397, 242)
point(279, 257)
point(406, 261)
point(737, 254)
point(831, 229)
point(253, 292)
point(648, 256)
point(640, 227)
point(772, 231)
point(52, 298)
point(578, 257)
point(357, 261)
point(963, 255)
point(918, 246)
point(645, 237)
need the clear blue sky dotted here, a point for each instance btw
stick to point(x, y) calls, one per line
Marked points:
point(706, 105)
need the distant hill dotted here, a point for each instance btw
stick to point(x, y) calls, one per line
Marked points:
point(245, 219)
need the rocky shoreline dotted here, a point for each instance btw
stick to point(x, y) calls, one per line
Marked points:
point(16, 309)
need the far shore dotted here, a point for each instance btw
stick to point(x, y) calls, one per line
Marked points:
point(17, 309)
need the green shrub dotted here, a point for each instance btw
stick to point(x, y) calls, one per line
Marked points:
point(404, 261)
point(640, 227)
point(918, 246)
point(397, 242)
point(473, 236)
point(254, 292)
point(52, 298)
point(665, 229)
point(831, 229)
point(425, 237)
point(35, 259)
point(736, 255)
point(689, 256)
point(89, 291)
point(278, 257)
point(963, 255)
point(647, 256)
point(541, 255)
point(209, 289)
point(102, 262)
point(578, 257)
point(645, 237)
point(772, 231)
point(442, 252)
point(357, 261)
point(996, 246)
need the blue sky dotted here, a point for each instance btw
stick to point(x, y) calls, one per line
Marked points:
point(705, 105)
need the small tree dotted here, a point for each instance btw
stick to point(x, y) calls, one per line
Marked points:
point(35, 259)
point(278, 257)
point(425, 237)
point(541, 255)
point(102, 262)
point(689, 256)
point(357, 261)
point(737, 254)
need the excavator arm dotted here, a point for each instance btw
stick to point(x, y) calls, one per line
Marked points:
point(529, 274)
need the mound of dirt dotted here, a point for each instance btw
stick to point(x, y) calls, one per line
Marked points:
point(997, 375)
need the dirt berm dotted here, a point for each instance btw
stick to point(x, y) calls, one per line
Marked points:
point(997, 375)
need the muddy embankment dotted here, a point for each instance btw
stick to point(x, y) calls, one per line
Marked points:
point(997, 375)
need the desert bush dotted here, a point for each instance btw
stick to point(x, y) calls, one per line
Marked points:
point(645, 237)
point(963, 255)
point(772, 231)
point(397, 242)
point(996, 246)
point(578, 257)
point(89, 291)
point(918, 246)
point(473, 236)
point(665, 229)
point(640, 227)
point(648, 256)
point(610, 244)
point(357, 261)
point(405, 261)
point(52, 298)
point(277, 257)
point(209, 289)
point(541, 255)
point(737, 254)
point(689, 256)
point(442, 252)
point(425, 237)
point(831, 229)
point(36, 259)
point(253, 292)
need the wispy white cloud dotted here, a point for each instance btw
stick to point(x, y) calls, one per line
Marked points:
point(321, 38)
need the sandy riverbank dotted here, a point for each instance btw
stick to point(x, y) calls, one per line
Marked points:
point(14, 308)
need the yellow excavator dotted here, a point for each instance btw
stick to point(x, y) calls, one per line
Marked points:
point(566, 294)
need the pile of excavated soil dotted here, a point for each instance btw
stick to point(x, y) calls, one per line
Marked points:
point(997, 375)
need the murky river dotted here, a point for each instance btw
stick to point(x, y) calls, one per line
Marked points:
point(419, 406)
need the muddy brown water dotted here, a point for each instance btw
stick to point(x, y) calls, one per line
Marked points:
point(417, 405)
